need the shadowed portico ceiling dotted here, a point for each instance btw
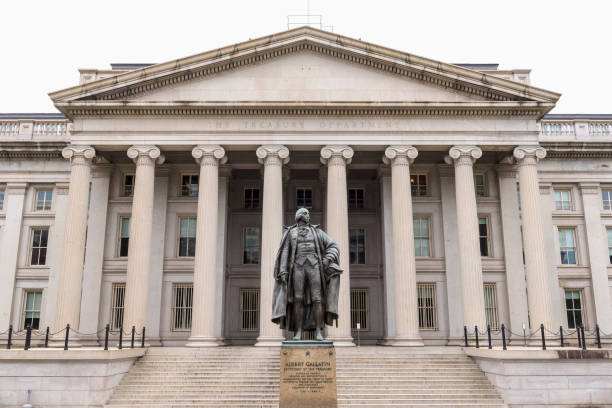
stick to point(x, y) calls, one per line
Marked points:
point(125, 94)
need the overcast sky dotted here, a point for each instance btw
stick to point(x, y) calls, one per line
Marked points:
point(567, 44)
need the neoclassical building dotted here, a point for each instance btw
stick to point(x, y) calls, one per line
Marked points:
point(157, 197)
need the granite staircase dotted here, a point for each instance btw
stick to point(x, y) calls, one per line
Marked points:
point(249, 377)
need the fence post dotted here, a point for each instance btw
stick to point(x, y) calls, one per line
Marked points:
point(67, 336)
point(47, 337)
point(465, 336)
point(10, 337)
point(142, 344)
point(120, 337)
point(489, 335)
point(561, 334)
point(543, 337)
point(28, 338)
point(133, 334)
point(476, 331)
point(579, 337)
point(583, 338)
point(598, 336)
point(503, 330)
point(106, 331)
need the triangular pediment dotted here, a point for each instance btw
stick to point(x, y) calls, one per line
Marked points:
point(297, 66)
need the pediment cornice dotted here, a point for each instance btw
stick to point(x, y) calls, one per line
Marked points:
point(455, 78)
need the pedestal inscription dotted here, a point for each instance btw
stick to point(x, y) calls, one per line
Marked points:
point(308, 375)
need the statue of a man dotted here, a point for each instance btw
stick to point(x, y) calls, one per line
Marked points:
point(307, 278)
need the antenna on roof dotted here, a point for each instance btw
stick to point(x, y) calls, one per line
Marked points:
point(311, 20)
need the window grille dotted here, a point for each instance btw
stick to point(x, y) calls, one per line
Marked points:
point(359, 309)
point(189, 185)
point(356, 198)
point(609, 233)
point(43, 200)
point(573, 307)
point(426, 295)
point(128, 185)
point(117, 302)
point(249, 309)
point(567, 246)
point(182, 302)
point(124, 236)
point(483, 232)
point(490, 298)
point(606, 198)
point(303, 197)
point(40, 237)
point(187, 236)
point(419, 185)
point(1, 200)
point(563, 200)
point(251, 244)
point(357, 246)
point(251, 198)
point(31, 309)
point(421, 236)
point(480, 185)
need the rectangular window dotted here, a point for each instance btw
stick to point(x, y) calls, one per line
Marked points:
point(124, 236)
point(251, 198)
point(426, 297)
point(117, 302)
point(40, 237)
point(189, 185)
point(249, 309)
point(182, 302)
point(480, 185)
point(490, 298)
point(563, 200)
point(43, 200)
point(567, 246)
point(303, 197)
point(573, 308)
point(1, 200)
point(128, 185)
point(31, 309)
point(359, 309)
point(418, 184)
point(356, 198)
point(251, 245)
point(421, 236)
point(357, 246)
point(606, 197)
point(609, 232)
point(483, 233)
point(187, 236)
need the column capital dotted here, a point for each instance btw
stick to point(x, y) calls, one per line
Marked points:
point(506, 171)
point(148, 152)
point(13, 188)
point(463, 155)
point(589, 188)
point(272, 154)
point(400, 155)
point(334, 155)
point(209, 155)
point(85, 153)
point(529, 154)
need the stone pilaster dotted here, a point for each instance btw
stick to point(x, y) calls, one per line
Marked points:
point(205, 267)
point(384, 176)
point(536, 267)
point(472, 290)
point(336, 158)
point(272, 157)
point(406, 305)
point(141, 227)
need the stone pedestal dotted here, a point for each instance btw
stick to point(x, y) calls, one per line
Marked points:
point(308, 374)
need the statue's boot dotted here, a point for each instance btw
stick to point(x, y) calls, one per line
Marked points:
point(298, 313)
point(318, 315)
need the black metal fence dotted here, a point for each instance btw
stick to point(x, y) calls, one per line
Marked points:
point(578, 337)
point(23, 339)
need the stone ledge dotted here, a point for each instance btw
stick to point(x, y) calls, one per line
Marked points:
point(81, 354)
point(530, 353)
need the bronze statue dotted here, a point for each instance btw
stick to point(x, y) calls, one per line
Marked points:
point(307, 278)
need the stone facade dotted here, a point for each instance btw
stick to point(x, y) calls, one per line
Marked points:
point(368, 137)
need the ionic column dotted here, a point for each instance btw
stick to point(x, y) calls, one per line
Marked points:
point(272, 157)
point(472, 289)
point(336, 158)
point(536, 267)
point(71, 274)
point(404, 267)
point(141, 226)
point(205, 268)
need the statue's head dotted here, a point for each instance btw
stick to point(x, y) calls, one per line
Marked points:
point(302, 214)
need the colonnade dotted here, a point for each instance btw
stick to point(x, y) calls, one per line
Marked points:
point(273, 157)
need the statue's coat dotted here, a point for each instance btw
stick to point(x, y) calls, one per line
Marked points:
point(282, 303)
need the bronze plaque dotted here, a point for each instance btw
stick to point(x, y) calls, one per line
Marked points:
point(308, 376)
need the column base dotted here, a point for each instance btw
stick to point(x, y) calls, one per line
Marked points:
point(274, 341)
point(203, 341)
point(456, 341)
point(407, 342)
